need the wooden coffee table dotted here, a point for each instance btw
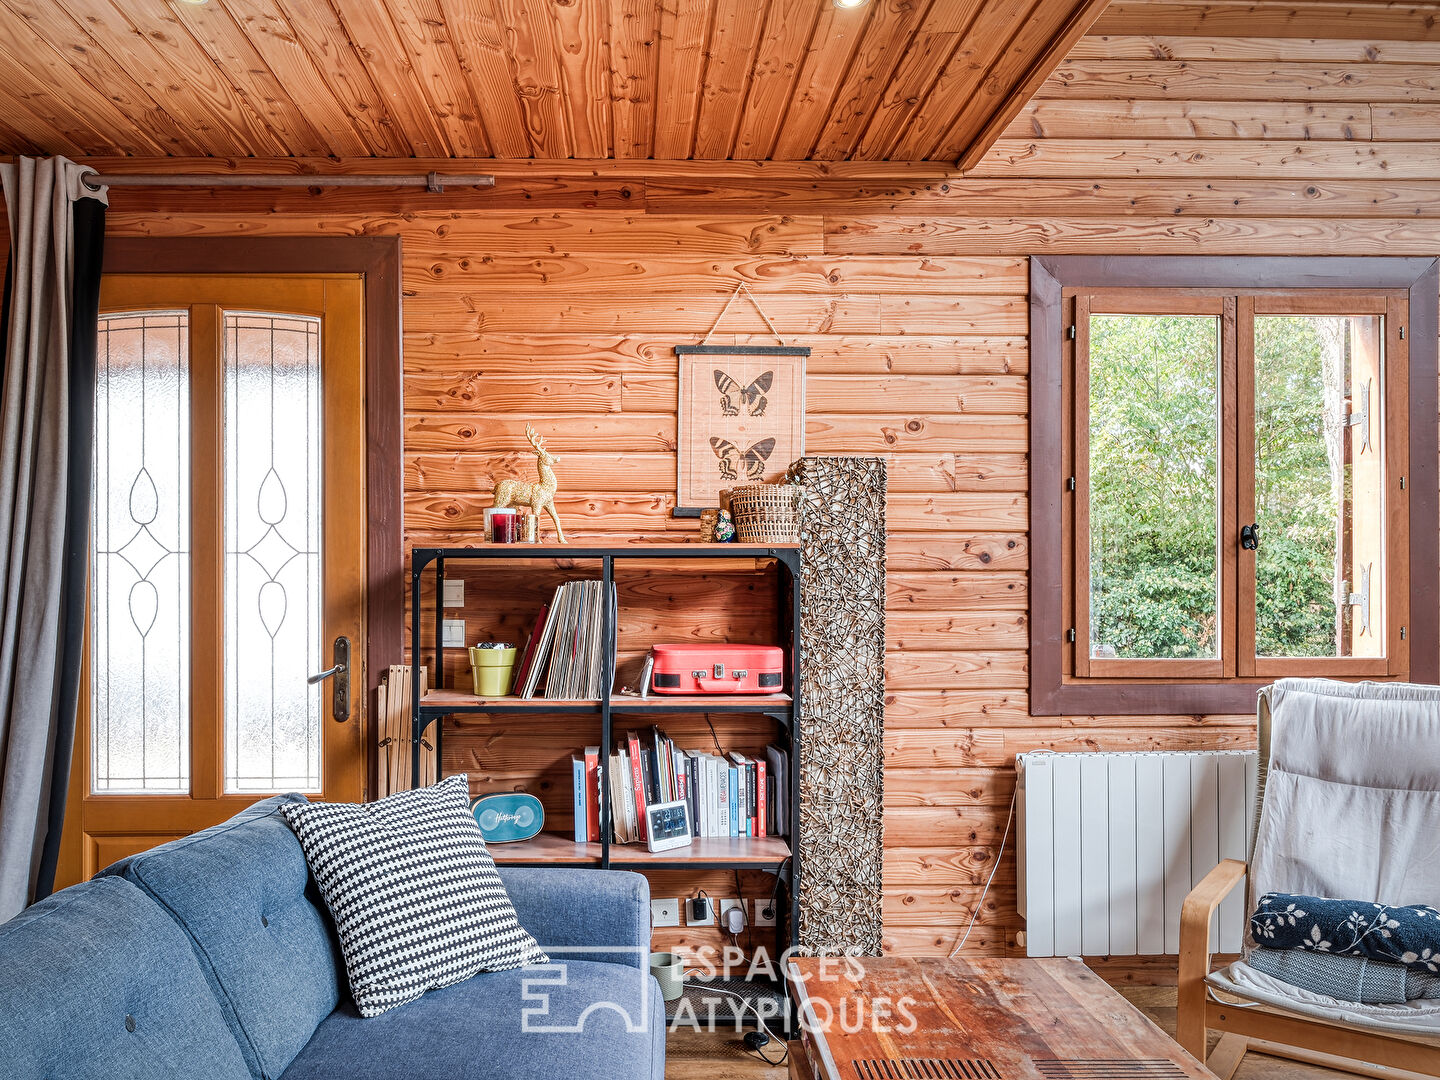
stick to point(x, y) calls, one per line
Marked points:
point(983, 1019)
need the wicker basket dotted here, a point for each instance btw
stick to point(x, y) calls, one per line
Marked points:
point(767, 513)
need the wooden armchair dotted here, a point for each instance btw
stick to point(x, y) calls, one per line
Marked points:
point(1303, 1029)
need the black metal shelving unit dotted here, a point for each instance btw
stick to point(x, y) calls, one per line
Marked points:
point(778, 856)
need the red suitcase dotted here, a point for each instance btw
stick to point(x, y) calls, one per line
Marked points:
point(718, 669)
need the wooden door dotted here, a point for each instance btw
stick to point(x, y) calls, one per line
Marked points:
point(227, 557)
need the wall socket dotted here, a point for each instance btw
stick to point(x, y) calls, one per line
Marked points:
point(726, 905)
point(761, 918)
point(665, 912)
point(454, 592)
point(454, 631)
point(690, 919)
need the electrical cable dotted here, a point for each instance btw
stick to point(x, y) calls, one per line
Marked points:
point(785, 1048)
point(713, 737)
point(980, 905)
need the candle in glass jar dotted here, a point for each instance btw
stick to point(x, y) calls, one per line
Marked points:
point(506, 524)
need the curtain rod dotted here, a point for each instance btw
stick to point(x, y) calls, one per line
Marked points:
point(433, 181)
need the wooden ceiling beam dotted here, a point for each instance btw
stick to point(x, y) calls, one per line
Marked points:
point(1081, 19)
point(1307, 19)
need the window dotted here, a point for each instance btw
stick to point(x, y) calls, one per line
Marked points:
point(1234, 501)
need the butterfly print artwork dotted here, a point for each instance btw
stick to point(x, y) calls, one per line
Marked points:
point(738, 465)
point(751, 397)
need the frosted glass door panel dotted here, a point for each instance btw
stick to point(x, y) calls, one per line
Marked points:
point(272, 553)
point(140, 559)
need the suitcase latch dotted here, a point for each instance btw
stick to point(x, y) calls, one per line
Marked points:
point(719, 671)
point(740, 673)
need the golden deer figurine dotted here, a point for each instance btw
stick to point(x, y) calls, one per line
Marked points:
point(538, 496)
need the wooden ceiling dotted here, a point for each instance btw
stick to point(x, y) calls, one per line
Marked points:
point(592, 79)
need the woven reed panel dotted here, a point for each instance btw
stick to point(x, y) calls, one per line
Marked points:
point(842, 695)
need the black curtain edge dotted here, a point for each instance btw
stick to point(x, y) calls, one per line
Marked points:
point(88, 232)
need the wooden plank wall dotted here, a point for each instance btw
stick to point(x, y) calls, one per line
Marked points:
point(556, 299)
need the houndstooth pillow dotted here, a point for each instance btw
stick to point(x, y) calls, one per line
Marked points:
point(415, 897)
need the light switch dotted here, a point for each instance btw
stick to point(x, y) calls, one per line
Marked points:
point(454, 631)
point(454, 592)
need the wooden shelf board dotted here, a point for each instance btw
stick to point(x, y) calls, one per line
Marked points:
point(640, 549)
point(740, 851)
point(547, 847)
point(716, 703)
point(459, 701)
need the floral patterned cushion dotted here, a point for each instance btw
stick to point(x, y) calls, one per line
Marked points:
point(1399, 935)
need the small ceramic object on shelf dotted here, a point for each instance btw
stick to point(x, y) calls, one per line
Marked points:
point(492, 664)
point(724, 527)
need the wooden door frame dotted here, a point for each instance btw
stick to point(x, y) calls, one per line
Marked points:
point(377, 260)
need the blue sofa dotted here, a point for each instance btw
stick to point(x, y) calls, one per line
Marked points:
point(213, 957)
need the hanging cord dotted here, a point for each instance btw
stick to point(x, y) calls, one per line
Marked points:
point(739, 288)
point(980, 905)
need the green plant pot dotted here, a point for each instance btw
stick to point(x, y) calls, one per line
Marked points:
point(492, 670)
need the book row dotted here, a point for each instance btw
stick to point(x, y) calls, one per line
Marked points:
point(727, 794)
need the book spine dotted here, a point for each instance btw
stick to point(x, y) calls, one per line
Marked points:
point(592, 792)
point(692, 783)
point(632, 742)
point(577, 769)
point(722, 798)
point(763, 804)
point(734, 782)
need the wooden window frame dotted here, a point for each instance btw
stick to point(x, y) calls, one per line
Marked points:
point(377, 260)
point(1054, 282)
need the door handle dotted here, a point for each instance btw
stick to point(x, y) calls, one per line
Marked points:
point(340, 672)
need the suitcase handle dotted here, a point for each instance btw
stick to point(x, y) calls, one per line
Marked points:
point(719, 686)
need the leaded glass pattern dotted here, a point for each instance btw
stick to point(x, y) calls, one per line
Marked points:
point(140, 557)
point(272, 552)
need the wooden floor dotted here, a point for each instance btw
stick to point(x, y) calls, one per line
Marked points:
point(720, 1056)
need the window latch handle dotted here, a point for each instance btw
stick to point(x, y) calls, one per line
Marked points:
point(1250, 537)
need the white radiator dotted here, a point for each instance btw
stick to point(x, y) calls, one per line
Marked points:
point(1109, 845)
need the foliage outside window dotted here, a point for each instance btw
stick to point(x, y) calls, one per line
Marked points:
point(1233, 481)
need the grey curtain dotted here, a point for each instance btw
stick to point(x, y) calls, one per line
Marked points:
point(52, 290)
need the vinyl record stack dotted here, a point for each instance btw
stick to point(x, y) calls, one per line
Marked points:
point(842, 680)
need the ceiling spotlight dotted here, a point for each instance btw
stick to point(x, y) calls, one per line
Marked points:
point(850, 3)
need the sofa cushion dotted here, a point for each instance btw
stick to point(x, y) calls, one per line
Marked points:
point(243, 893)
point(415, 896)
point(98, 983)
point(573, 1019)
